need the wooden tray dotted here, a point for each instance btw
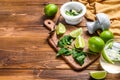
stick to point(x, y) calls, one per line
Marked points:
point(53, 39)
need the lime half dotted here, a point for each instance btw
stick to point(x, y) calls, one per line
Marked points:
point(60, 29)
point(76, 33)
point(79, 42)
point(98, 74)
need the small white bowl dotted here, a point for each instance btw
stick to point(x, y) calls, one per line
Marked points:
point(73, 20)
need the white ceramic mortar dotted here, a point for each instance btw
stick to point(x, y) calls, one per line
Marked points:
point(73, 20)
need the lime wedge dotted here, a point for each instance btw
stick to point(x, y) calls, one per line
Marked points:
point(76, 33)
point(79, 42)
point(98, 74)
point(60, 29)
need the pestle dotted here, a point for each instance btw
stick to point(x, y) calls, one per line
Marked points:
point(102, 22)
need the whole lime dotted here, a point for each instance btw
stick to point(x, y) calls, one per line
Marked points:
point(50, 10)
point(96, 44)
point(106, 35)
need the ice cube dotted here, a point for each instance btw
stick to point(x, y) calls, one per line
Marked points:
point(116, 44)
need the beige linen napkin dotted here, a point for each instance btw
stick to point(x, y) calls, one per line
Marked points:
point(110, 7)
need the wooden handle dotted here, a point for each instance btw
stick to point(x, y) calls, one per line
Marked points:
point(49, 24)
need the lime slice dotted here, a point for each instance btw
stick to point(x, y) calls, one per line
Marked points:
point(111, 53)
point(76, 33)
point(79, 42)
point(105, 54)
point(98, 74)
point(60, 29)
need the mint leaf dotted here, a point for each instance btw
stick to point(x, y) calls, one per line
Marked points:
point(66, 40)
point(72, 12)
point(77, 53)
point(119, 51)
point(63, 51)
point(80, 59)
point(60, 44)
point(79, 56)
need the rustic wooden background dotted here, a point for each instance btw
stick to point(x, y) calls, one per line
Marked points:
point(24, 51)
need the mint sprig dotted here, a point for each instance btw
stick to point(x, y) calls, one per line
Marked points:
point(77, 54)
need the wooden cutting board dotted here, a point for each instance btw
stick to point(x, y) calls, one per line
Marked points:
point(53, 39)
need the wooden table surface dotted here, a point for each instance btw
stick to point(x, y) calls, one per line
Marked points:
point(24, 51)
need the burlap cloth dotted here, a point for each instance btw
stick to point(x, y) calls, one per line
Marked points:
point(110, 7)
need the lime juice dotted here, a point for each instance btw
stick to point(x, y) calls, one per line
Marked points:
point(110, 57)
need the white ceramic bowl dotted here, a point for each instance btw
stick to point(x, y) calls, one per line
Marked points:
point(73, 20)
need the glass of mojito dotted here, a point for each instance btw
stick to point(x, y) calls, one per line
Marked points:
point(110, 56)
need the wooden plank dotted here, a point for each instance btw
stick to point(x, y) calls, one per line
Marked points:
point(44, 60)
point(16, 38)
point(23, 15)
point(34, 2)
point(34, 74)
point(34, 59)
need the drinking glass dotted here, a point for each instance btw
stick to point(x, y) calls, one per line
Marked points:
point(110, 57)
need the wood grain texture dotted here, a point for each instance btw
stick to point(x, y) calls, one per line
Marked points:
point(16, 15)
point(35, 74)
point(24, 50)
point(23, 2)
